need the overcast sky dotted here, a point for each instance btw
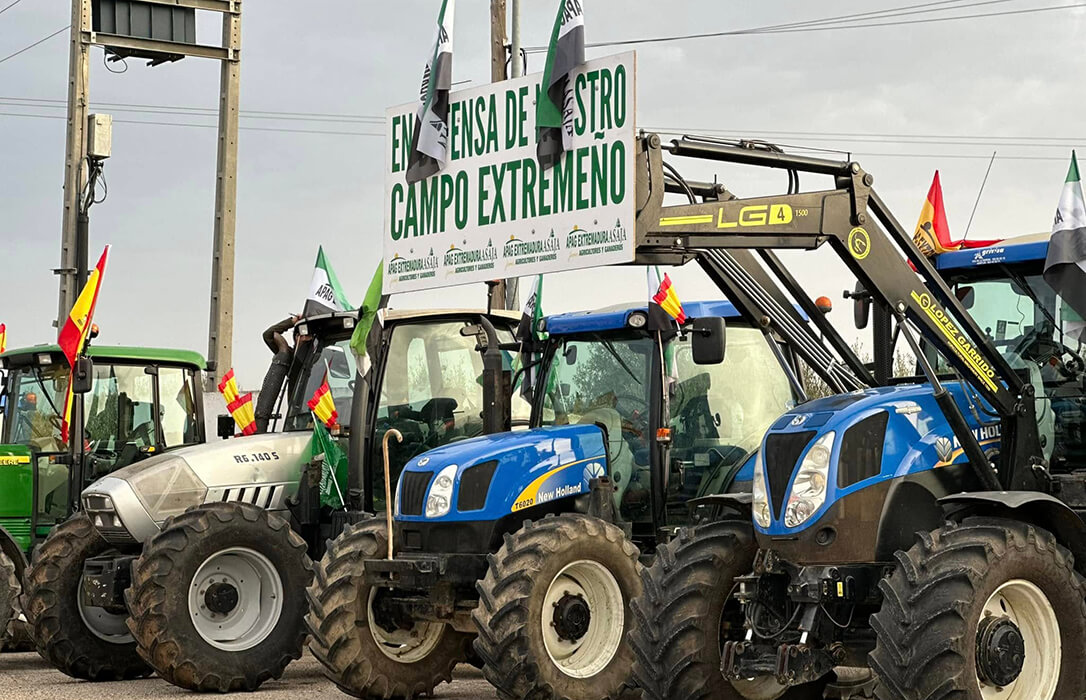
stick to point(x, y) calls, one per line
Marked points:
point(964, 88)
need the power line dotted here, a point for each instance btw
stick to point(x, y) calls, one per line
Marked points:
point(2, 11)
point(824, 24)
point(204, 126)
point(203, 111)
point(39, 41)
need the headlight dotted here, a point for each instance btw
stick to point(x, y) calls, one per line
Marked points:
point(439, 499)
point(809, 486)
point(168, 488)
point(762, 515)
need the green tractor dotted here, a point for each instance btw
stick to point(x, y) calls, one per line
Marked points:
point(140, 402)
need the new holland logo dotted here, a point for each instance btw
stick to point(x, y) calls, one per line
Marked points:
point(593, 470)
point(423, 461)
point(798, 420)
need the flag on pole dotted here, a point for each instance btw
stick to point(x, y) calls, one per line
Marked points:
point(325, 293)
point(1065, 266)
point(323, 405)
point(3, 337)
point(430, 139)
point(932, 235)
point(239, 405)
point(334, 472)
point(73, 335)
point(529, 333)
point(663, 298)
point(367, 331)
point(554, 104)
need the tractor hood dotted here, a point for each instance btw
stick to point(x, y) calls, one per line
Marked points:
point(826, 449)
point(490, 477)
point(132, 503)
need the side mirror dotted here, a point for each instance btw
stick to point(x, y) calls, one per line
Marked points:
point(570, 353)
point(82, 375)
point(708, 340)
point(967, 296)
point(861, 305)
point(225, 426)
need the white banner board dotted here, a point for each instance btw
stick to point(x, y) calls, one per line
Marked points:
point(492, 212)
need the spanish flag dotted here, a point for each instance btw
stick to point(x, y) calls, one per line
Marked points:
point(240, 406)
point(663, 296)
point(73, 336)
point(932, 235)
point(322, 405)
point(74, 333)
point(3, 337)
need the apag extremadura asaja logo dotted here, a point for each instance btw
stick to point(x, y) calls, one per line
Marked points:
point(457, 261)
point(517, 251)
point(582, 243)
point(420, 267)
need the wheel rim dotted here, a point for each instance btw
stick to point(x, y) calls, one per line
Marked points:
point(235, 599)
point(107, 626)
point(405, 646)
point(1018, 606)
point(583, 619)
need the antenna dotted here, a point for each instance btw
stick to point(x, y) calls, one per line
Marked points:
point(982, 184)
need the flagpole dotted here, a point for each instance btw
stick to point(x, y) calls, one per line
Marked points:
point(979, 193)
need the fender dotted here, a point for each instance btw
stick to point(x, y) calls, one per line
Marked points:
point(14, 552)
point(1028, 506)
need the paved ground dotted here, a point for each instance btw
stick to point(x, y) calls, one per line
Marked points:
point(28, 677)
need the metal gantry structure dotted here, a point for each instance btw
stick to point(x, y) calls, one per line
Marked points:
point(74, 245)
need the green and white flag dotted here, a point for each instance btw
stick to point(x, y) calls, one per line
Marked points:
point(1065, 266)
point(325, 293)
point(529, 333)
point(430, 140)
point(366, 338)
point(554, 108)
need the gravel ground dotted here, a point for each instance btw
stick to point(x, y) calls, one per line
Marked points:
point(28, 677)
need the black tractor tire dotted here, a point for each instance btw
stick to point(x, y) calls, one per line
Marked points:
point(51, 605)
point(512, 602)
point(933, 603)
point(687, 612)
point(341, 634)
point(158, 599)
point(10, 589)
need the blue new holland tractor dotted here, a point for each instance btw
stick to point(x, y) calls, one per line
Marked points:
point(930, 528)
point(530, 543)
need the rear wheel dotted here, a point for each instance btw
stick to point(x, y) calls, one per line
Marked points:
point(554, 616)
point(362, 653)
point(217, 598)
point(687, 613)
point(9, 596)
point(78, 639)
point(985, 609)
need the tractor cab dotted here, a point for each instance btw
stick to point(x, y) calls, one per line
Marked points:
point(141, 402)
point(1039, 334)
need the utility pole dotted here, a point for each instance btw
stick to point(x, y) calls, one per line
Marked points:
point(76, 148)
point(512, 285)
point(221, 326)
point(498, 74)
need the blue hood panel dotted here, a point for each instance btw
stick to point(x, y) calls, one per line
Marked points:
point(534, 467)
point(918, 437)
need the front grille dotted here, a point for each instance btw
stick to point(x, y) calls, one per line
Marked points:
point(106, 521)
point(782, 451)
point(861, 450)
point(474, 486)
point(262, 496)
point(413, 492)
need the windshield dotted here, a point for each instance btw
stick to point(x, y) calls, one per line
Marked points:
point(719, 413)
point(337, 361)
point(1041, 337)
point(35, 400)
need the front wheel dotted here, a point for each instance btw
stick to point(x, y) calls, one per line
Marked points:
point(217, 598)
point(364, 653)
point(985, 609)
point(554, 616)
point(687, 612)
point(78, 639)
point(9, 595)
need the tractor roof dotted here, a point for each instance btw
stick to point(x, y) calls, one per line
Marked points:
point(107, 352)
point(614, 317)
point(1029, 248)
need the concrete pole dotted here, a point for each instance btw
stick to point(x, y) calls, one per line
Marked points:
point(75, 151)
point(498, 74)
point(512, 285)
point(221, 330)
